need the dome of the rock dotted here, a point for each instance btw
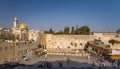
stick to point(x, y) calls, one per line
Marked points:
point(23, 26)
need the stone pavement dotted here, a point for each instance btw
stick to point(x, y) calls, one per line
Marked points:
point(75, 61)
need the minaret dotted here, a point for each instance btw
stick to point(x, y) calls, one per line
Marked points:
point(15, 22)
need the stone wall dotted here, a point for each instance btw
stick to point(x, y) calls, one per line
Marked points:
point(78, 41)
point(11, 51)
point(67, 41)
point(6, 50)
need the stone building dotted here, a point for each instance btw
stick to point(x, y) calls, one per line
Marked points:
point(33, 35)
point(6, 50)
point(6, 34)
point(11, 51)
point(21, 44)
point(20, 31)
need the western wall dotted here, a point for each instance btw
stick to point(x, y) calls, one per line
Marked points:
point(67, 41)
point(78, 41)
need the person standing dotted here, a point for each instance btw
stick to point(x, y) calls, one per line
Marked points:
point(68, 60)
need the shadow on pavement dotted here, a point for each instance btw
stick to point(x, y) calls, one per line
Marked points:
point(55, 65)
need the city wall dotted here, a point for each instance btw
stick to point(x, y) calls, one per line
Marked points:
point(69, 42)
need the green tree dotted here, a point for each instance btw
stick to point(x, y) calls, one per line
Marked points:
point(66, 30)
point(46, 32)
point(112, 41)
point(76, 30)
point(59, 33)
point(107, 46)
point(84, 30)
point(51, 31)
point(72, 30)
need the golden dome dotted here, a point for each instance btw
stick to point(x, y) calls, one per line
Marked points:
point(23, 26)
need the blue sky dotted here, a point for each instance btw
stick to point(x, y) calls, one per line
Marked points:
point(99, 15)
